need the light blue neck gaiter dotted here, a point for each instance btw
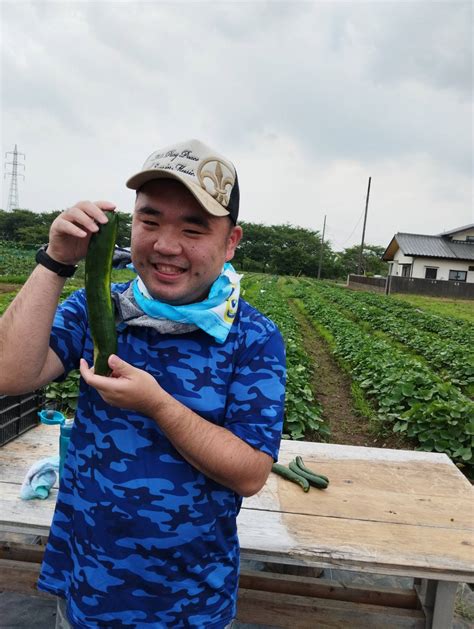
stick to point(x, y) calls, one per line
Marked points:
point(214, 315)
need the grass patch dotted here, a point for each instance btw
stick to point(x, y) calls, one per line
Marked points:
point(320, 329)
point(363, 407)
point(464, 604)
point(72, 284)
point(458, 308)
point(5, 300)
point(13, 279)
point(123, 275)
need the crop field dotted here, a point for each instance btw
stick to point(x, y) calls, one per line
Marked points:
point(415, 369)
point(363, 368)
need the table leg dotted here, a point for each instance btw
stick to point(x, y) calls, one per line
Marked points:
point(437, 599)
point(444, 604)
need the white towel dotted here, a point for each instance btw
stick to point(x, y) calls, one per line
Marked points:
point(40, 478)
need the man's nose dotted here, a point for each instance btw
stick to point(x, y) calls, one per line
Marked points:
point(167, 244)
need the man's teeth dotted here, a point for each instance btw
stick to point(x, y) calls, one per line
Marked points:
point(166, 268)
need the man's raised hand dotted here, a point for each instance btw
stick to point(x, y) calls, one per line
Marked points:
point(70, 232)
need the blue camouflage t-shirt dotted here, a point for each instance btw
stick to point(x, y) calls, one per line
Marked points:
point(141, 538)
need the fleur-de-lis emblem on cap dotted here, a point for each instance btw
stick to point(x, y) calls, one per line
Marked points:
point(215, 181)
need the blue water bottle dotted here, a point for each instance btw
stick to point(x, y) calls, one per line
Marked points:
point(64, 436)
point(65, 426)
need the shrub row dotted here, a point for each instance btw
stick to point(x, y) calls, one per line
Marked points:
point(453, 357)
point(407, 393)
point(302, 410)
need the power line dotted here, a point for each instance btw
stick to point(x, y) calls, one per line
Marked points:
point(13, 202)
point(352, 232)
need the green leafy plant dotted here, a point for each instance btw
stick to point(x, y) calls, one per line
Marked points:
point(410, 397)
point(446, 351)
point(63, 395)
point(303, 412)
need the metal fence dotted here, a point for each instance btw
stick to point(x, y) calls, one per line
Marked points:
point(412, 285)
point(372, 284)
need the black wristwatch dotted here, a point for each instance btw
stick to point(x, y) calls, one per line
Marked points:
point(63, 270)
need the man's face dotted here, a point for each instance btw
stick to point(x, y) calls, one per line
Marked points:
point(178, 249)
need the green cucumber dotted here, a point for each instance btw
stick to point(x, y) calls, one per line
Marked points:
point(100, 306)
point(285, 472)
point(313, 479)
point(302, 466)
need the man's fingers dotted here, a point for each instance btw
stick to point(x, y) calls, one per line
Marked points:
point(120, 367)
point(68, 228)
point(81, 219)
point(107, 206)
point(105, 383)
point(89, 213)
point(85, 370)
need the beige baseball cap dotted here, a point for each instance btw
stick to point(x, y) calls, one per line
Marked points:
point(209, 176)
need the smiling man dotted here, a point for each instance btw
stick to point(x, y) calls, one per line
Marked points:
point(161, 453)
point(178, 249)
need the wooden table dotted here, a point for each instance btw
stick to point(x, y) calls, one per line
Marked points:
point(386, 512)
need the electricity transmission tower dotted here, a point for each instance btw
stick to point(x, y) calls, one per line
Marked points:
point(13, 202)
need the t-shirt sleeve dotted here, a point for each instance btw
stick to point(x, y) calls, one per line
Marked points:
point(256, 399)
point(69, 330)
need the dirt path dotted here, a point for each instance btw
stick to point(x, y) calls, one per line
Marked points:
point(9, 288)
point(332, 388)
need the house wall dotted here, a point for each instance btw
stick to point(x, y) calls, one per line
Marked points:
point(395, 267)
point(419, 266)
point(443, 266)
point(463, 235)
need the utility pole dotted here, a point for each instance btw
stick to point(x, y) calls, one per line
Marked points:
point(361, 252)
point(13, 202)
point(321, 250)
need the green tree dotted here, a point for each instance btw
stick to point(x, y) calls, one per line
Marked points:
point(372, 262)
point(124, 229)
point(285, 250)
point(31, 229)
point(12, 222)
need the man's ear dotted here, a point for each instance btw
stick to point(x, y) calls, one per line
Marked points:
point(233, 240)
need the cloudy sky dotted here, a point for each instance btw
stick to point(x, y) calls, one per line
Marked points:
point(308, 99)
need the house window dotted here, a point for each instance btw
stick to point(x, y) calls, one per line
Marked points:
point(458, 276)
point(470, 238)
point(406, 270)
point(471, 268)
point(431, 273)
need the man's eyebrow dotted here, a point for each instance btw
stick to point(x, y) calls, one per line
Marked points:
point(192, 219)
point(201, 221)
point(148, 210)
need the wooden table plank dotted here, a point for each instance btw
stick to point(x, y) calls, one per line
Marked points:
point(388, 511)
point(397, 549)
point(288, 611)
point(18, 456)
point(34, 440)
point(394, 465)
point(352, 494)
point(30, 513)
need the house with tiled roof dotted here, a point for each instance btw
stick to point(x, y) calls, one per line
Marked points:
point(446, 256)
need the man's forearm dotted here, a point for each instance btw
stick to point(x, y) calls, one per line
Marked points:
point(25, 330)
point(213, 450)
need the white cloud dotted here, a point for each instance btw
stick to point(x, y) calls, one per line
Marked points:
point(309, 99)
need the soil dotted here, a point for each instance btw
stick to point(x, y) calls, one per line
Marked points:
point(9, 288)
point(332, 388)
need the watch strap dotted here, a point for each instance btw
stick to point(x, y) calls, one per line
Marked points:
point(63, 270)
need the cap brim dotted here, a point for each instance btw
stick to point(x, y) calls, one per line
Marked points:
point(204, 199)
